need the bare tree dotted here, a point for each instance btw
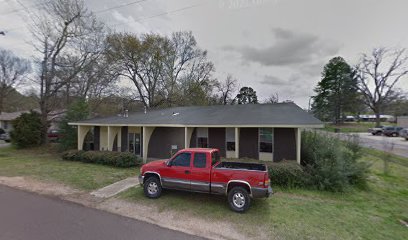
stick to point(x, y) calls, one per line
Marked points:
point(378, 73)
point(13, 71)
point(67, 38)
point(273, 98)
point(227, 89)
point(140, 60)
point(162, 69)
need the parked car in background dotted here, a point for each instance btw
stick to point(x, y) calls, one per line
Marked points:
point(53, 135)
point(404, 133)
point(5, 137)
point(391, 131)
point(376, 130)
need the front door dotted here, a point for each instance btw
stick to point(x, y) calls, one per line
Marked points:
point(134, 143)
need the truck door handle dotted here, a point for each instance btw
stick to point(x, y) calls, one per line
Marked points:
point(187, 172)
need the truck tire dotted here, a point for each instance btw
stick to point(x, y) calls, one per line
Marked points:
point(238, 199)
point(152, 187)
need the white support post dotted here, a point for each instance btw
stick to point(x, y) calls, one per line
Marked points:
point(236, 142)
point(188, 132)
point(82, 131)
point(147, 133)
point(110, 138)
point(298, 144)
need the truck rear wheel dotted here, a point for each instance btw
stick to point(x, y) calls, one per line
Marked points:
point(152, 187)
point(238, 199)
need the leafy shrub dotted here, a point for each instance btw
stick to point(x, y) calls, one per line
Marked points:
point(286, 174)
point(78, 110)
point(116, 159)
point(27, 130)
point(330, 164)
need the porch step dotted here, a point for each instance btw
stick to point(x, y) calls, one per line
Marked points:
point(115, 188)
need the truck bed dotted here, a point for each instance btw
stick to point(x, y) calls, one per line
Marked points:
point(242, 166)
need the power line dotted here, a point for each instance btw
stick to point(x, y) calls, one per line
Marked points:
point(128, 4)
point(37, 5)
point(119, 6)
point(161, 14)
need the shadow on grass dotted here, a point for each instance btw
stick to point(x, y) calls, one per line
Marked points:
point(204, 205)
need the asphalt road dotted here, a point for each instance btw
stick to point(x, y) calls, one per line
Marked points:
point(396, 145)
point(26, 215)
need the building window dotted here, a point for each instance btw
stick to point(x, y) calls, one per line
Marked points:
point(202, 137)
point(230, 138)
point(265, 140)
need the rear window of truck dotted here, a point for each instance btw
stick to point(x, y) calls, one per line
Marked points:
point(215, 158)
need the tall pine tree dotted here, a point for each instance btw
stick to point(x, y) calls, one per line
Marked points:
point(336, 93)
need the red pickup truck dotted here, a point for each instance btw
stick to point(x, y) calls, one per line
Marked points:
point(200, 170)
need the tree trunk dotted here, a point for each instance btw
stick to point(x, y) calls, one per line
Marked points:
point(377, 117)
point(1, 103)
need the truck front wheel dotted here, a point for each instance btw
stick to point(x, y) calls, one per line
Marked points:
point(238, 199)
point(152, 187)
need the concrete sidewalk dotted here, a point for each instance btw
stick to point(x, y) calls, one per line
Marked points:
point(115, 188)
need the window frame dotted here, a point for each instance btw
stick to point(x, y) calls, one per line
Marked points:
point(272, 140)
point(205, 159)
point(227, 140)
point(174, 159)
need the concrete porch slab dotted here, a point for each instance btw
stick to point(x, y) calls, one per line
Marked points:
point(115, 188)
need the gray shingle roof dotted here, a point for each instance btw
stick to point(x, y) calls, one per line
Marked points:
point(285, 114)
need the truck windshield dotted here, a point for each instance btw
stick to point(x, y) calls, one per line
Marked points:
point(215, 158)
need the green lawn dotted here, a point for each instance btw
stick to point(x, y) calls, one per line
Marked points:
point(45, 164)
point(298, 214)
point(352, 126)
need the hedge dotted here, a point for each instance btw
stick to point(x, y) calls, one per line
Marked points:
point(116, 159)
point(286, 174)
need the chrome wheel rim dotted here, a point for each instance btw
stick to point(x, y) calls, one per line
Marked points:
point(152, 188)
point(238, 200)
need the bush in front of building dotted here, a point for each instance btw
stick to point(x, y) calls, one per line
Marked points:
point(27, 130)
point(286, 174)
point(116, 159)
point(331, 164)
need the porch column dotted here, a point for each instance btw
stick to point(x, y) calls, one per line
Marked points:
point(236, 142)
point(298, 134)
point(112, 132)
point(147, 133)
point(110, 138)
point(82, 131)
point(188, 132)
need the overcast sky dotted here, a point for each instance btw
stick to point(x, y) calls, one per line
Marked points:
point(274, 46)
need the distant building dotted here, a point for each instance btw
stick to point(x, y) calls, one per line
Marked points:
point(402, 121)
point(6, 119)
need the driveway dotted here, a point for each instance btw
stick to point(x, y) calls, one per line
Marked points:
point(30, 216)
point(4, 144)
point(396, 145)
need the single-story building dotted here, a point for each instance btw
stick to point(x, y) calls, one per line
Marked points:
point(270, 132)
point(7, 118)
point(402, 121)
